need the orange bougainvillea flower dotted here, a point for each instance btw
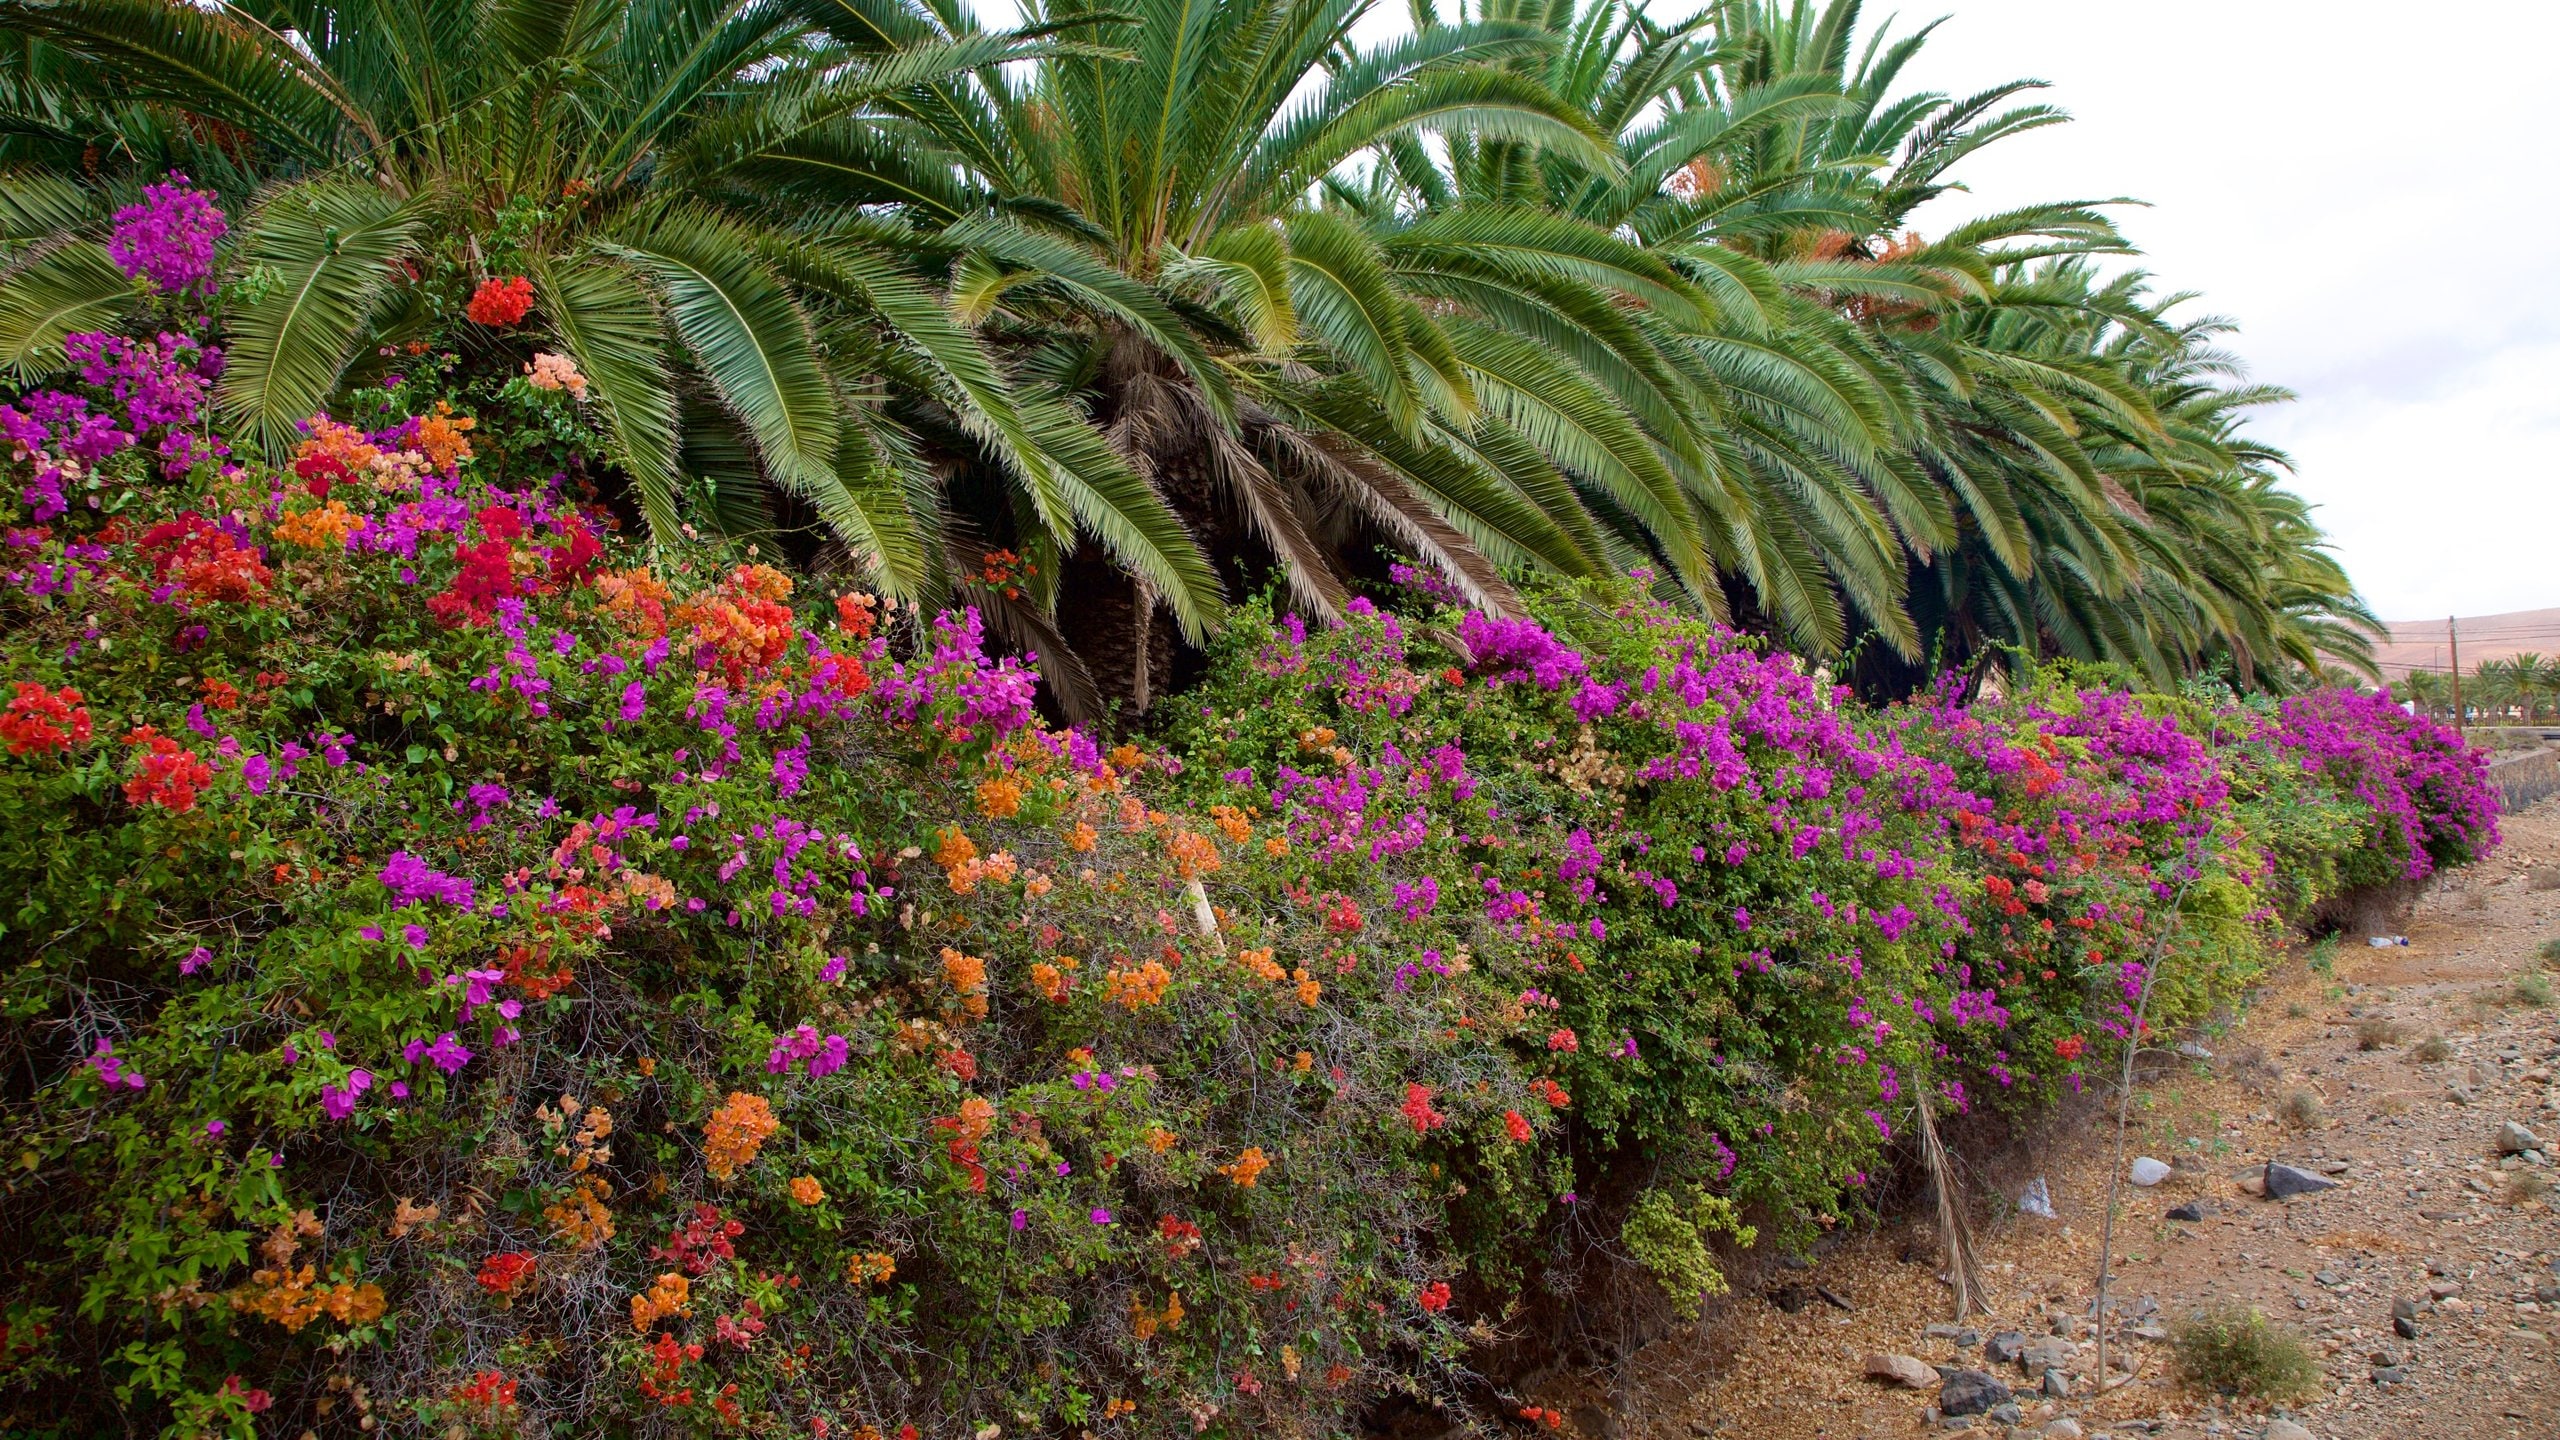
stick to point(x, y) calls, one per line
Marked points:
point(744, 623)
point(1193, 854)
point(736, 1131)
point(441, 438)
point(1136, 987)
point(977, 1116)
point(1248, 1167)
point(1000, 798)
point(325, 528)
point(1051, 980)
point(967, 976)
point(669, 1298)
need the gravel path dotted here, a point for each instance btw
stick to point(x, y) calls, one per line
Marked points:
point(2390, 1071)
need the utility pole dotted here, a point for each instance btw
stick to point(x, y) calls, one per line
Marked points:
point(2453, 638)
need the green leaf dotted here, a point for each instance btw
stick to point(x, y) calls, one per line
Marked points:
point(601, 314)
point(67, 288)
point(749, 335)
point(330, 249)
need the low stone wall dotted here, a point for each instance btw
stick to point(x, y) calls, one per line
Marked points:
point(2526, 778)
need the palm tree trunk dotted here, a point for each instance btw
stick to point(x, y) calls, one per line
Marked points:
point(1142, 680)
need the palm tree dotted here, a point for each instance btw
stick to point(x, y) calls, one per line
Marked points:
point(2102, 500)
point(2493, 689)
point(2535, 677)
point(1966, 429)
point(1111, 316)
point(644, 162)
point(1478, 390)
point(1761, 416)
point(2424, 688)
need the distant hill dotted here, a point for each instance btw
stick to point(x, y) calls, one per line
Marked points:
point(2420, 644)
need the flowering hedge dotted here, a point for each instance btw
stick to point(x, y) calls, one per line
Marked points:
point(475, 974)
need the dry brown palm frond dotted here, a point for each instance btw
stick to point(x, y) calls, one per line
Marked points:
point(1955, 1228)
point(1339, 472)
point(1162, 416)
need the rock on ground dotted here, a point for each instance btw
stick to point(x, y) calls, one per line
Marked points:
point(1908, 1371)
point(1971, 1392)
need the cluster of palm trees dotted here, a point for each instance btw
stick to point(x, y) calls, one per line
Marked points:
point(1173, 299)
point(2521, 687)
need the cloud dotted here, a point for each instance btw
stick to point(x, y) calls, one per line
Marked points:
point(2370, 229)
point(2443, 496)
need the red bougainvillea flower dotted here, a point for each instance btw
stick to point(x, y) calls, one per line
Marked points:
point(319, 472)
point(856, 614)
point(507, 1273)
point(573, 561)
point(1417, 1108)
point(41, 720)
point(2069, 1047)
point(1433, 1297)
point(500, 522)
point(202, 559)
point(500, 302)
point(487, 577)
point(170, 775)
point(1516, 1125)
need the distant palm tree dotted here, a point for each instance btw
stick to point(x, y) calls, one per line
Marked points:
point(2426, 689)
point(2535, 677)
point(2492, 690)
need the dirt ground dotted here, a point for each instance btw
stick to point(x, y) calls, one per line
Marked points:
point(2331, 1071)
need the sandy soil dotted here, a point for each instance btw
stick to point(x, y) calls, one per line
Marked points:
point(2423, 1213)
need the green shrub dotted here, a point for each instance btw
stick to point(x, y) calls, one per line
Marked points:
point(2234, 1350)
point(1667, 1232)
point(560, 986)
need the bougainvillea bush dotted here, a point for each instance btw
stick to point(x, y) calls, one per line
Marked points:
point(473, 974)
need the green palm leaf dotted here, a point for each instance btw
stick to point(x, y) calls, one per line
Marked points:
point(61, 289)
point(318, 258)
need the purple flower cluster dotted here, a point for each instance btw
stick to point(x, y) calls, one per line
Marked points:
point(2431, 790)
point(168, 239)
point(822, 1057)
point(412, 881)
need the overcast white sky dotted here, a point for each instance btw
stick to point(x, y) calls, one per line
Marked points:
point(2369, 191)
